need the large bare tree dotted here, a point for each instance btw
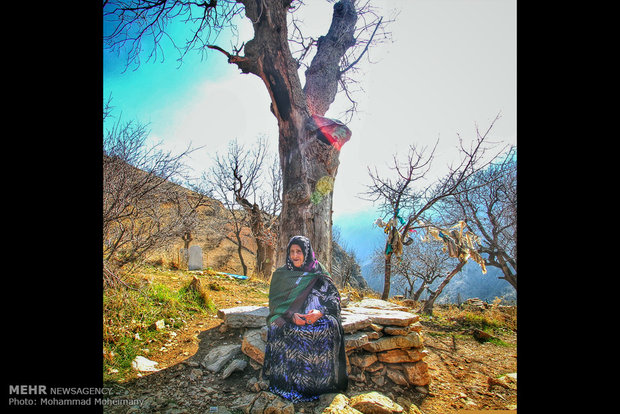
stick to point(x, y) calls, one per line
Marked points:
point(309, 144)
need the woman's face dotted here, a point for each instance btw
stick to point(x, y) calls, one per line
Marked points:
point(296, 255)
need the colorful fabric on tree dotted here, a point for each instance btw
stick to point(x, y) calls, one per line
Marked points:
point(331, 131)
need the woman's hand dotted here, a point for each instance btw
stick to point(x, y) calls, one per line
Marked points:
point(307, 319)
point(313, 316)
point(299, 319)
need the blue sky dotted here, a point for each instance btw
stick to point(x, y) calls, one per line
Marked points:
point(451, 65)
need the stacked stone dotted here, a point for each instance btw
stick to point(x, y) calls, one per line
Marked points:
point(384, 343)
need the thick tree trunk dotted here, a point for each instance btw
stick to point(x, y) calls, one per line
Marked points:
point(304, 159)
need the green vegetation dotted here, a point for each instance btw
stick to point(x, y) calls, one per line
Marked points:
point(129, 318)
point(157, 293)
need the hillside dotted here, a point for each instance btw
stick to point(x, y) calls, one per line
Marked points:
point(215, 235)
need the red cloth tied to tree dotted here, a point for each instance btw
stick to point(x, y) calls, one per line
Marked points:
point(331, 131)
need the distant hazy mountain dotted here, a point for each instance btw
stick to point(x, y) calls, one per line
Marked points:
point(358, 233)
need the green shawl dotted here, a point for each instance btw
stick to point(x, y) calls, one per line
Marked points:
point(288, 289)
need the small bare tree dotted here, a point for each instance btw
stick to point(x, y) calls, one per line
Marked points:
point(423, 262)
point(263, 211)
point(404, 204)
point(236, 180)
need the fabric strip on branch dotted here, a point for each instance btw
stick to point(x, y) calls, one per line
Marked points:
point(395, 245)
point(456, 244)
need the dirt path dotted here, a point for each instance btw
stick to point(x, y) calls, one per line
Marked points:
point(466, 378)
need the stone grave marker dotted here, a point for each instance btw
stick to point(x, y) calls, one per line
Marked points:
point(194, 261)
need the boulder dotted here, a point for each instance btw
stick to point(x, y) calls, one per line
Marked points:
point(268, 403)
point(244, 316)
point(235, 365)
point(416, 373)
point(375, 403)
point(219, 356)
point(340, 405)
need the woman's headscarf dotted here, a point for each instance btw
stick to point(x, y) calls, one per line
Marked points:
point(310, 263)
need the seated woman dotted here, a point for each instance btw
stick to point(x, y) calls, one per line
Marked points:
point(304, 356)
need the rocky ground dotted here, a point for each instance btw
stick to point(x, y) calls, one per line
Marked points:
point(466, 375)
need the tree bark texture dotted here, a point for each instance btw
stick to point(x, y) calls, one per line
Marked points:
point(304, 159)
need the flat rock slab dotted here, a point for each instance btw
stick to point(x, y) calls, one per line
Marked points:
point(378, 304)
point(352, 322)
point(380, 316)
point(397, 356)
point(244, 316)
point(355, 340)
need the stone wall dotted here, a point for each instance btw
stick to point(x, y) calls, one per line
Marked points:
point(383, 341)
